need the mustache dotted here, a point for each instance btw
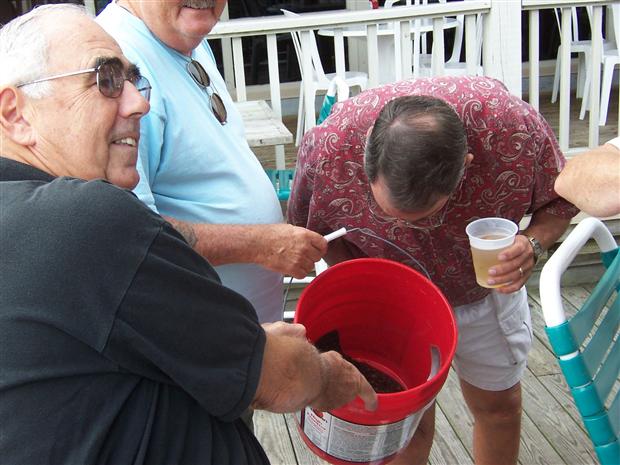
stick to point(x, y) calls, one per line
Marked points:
point(199, 3)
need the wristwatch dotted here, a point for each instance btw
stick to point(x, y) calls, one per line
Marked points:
point(536, 247)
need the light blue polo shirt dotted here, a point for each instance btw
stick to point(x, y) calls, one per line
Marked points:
point(191, 167)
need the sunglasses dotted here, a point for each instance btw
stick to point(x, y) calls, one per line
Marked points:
point(200, 76)
point(110, 75)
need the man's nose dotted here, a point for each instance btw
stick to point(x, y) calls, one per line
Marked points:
point(133, 104)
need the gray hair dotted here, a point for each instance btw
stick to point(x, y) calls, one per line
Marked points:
point(418, 146)
point(25, 44)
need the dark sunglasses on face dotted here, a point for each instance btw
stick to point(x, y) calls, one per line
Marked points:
point(110, 76)
point(200, 76)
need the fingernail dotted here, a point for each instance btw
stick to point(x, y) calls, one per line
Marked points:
point(490, 281)
point(492, 272)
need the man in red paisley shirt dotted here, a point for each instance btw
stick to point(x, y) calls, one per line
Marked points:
point(411, 164)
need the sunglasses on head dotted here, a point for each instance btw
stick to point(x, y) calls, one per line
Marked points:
point(110, 76)
point(200, 76)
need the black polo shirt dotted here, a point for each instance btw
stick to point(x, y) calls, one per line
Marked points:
point(118, 344)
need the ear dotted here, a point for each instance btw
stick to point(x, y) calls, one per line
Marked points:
point(12, 118)
point(468, 159)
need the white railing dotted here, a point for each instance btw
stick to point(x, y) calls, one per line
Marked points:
point(594, 91)
point(400, 17)
point(501, 53)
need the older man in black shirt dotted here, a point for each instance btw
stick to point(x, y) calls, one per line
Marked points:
point(119, 344)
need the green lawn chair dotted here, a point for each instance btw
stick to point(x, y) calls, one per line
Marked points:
point(281, 181)
point(587, 344)
point(338, 88)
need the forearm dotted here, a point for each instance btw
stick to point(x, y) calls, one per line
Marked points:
point(222, 243)
point(279, 247)
point(546, 228)
point(294, 375)
point(591, 181)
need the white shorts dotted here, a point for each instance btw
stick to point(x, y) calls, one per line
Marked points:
point(495, 337)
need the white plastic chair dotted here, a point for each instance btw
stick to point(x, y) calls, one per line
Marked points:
point(584, 50)
point(581, 47)
point(319, 80)
point(454, 66)
point(611, 59)
point(422, 61)
point(586, 344)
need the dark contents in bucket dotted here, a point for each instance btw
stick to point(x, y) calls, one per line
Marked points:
point(380, 382)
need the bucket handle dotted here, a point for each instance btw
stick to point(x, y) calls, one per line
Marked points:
point(435, 362)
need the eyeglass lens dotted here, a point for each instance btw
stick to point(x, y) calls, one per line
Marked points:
point(111, 78)
point(200, 76)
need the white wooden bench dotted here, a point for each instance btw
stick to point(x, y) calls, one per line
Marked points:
point(262, 125)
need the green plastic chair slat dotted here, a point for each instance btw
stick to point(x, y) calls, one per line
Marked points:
point(614, 414)
point(562, 339)
point(600, 429)
point(607, 375)
point(609, 454)
point(587, 400)
point(602, 340)
point(575, 372)
point(609, 257)
point(281, 181)
point(581, 324)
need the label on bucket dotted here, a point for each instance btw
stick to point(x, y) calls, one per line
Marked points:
point(357, 443)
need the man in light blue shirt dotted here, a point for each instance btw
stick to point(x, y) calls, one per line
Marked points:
point(196, 168)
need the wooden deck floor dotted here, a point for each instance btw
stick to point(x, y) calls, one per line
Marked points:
point(551, 434)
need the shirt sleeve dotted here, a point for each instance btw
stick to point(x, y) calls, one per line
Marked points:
point(178, 325)
point(549, 161)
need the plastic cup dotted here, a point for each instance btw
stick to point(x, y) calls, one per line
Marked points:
point(488, 237)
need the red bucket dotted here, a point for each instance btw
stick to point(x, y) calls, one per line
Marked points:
point(391, 317)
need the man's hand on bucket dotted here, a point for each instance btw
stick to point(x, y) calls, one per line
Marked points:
point(342, 382)
point(294, 375)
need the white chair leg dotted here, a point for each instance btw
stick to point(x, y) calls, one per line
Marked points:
point(585, 103)
point(582, 74)
point(556, 76)
point(300, 115)
point(608, 73)
point(309, 124)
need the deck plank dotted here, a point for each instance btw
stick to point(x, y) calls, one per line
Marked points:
point(272, 432)
point(557, 387)
point(448, 449)
point(452, 404)
point(534, 448)
point(557, 426)
point(304, 455)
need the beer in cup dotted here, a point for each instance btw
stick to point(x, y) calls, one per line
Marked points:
point(488, 237)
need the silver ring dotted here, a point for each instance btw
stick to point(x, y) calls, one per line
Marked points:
point(521, 272)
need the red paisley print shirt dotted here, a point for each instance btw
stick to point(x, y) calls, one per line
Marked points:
point(516, 160)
